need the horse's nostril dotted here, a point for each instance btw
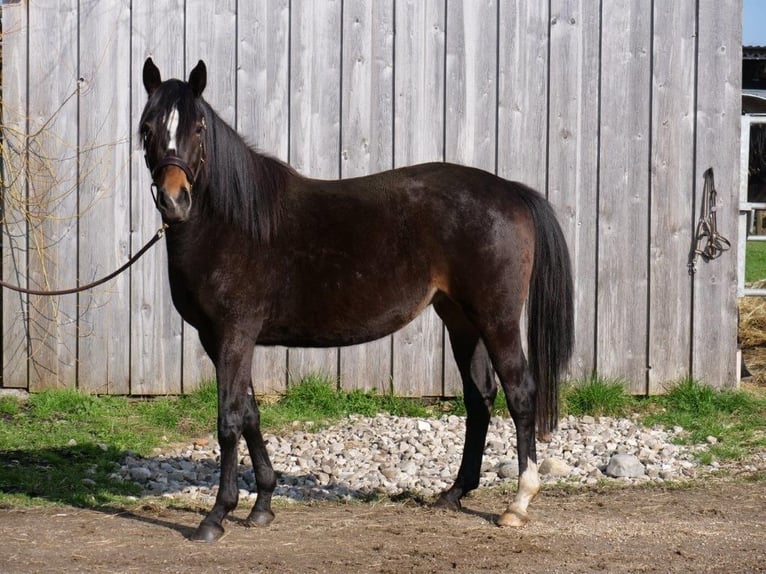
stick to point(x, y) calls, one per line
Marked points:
point(174, 206)
point(163, 200)
point(184, 198)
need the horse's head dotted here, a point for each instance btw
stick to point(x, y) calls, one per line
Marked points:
point(173, 134)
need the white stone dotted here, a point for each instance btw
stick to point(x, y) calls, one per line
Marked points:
point(554, 467)
point(625, 466)
point(424, 426)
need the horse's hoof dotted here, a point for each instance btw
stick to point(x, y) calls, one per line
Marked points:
point(260, 518)
point(511, 519)
point(208, 532)
point(447, 503)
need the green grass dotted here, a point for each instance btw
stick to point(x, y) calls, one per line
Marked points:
point(316, 399)
point(62, 446)
point(736, 419)
point(755, 261)
point(596, 396)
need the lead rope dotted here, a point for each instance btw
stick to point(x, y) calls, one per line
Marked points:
point(707, 226)
point(157, 236)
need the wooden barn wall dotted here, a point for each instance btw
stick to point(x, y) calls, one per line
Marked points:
point(613, 109)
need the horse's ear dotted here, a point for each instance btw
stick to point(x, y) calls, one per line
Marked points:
point(152, 78)
point(198, 78)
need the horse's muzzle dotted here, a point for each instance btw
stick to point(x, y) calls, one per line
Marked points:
point(174, 206)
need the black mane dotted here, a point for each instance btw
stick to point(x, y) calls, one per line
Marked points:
point(243, 186)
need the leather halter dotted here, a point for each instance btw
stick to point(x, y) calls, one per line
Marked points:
point(172, 158)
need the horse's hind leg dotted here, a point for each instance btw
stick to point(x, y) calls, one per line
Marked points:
point(508, 359)
point(479, 389)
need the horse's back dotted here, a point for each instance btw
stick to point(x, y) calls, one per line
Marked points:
point(373, 251)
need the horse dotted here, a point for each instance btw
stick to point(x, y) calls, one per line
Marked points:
point(261, 255)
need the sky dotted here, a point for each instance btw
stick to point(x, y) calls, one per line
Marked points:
point(754, 23)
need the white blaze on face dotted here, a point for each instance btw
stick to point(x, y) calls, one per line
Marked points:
point(172, 125)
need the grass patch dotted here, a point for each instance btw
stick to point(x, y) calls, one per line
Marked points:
point(736, 419)
point(9, 407)
point(597, 396)
point(755, 261)
point(316, 399)
point(63, 446)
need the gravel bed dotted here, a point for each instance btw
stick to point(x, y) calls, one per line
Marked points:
point(388, 455)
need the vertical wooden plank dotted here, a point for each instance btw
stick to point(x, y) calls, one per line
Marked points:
point(719, 63)
point(522, 92)
point(471, 83)
point(104, 178)
point(672, 191)
point(522, 122)
point(367, 146)
point(156, 327)
point(418, 349)
point(263, 119)
point(573, 156)
point(53, 87)
point(15, 335)
point(471, 100)
point(219, 52)
point(315, 100)
point(623, 193)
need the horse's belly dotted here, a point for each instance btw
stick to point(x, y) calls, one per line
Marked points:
point(343, 320)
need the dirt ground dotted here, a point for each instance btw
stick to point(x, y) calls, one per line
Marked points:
point(716, 526)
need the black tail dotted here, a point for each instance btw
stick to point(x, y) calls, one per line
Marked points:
point(550, 310)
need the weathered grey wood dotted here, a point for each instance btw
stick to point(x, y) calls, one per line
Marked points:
point(367, 146)
point(263, 119)
point(624, 193)
point(573, 157)
point(593, 105)
point(53, 87)
point(104, 196)
point(315, 95)
point(15, 339)
point(522, 93)
point(672, 191)
point(156, 328)
point(220, 55)
point(522, 96)
point(418, 137)
point(471, 100)
point(719, 80)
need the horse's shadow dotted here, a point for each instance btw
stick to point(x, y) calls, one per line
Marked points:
point(182, 529)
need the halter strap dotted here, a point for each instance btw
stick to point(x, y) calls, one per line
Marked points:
point(172, 159)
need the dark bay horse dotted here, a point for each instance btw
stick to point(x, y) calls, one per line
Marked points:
point(258, 254)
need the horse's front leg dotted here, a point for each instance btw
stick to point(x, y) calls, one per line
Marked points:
point(265, 479)
point(233, 365)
